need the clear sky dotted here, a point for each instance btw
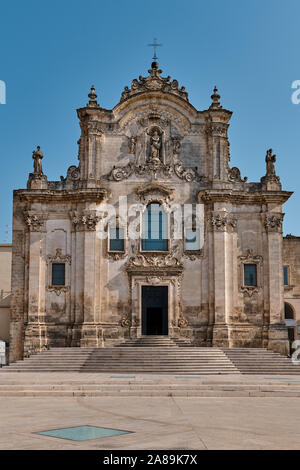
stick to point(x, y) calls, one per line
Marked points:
point(52, 51)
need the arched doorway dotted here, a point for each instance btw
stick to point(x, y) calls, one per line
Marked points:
point(289, 315)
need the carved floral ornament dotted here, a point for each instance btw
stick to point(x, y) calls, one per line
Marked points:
point(182, 322)
point(155, 169)
point(249, 291)
point(250, 257)
point(223, 221)
point(35, 222)
point(217, 130)
point(155, 192)
point(273, 222)
point(85, 221)
point(59, 257)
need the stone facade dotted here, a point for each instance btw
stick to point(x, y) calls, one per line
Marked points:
point(153, 146)
point(291, 262)
point(5, 290)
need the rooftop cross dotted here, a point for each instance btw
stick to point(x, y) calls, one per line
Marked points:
point(155, 45)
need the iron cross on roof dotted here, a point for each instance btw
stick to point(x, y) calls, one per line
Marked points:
point(155, 45)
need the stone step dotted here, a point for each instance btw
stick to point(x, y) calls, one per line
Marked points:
point(160, 360)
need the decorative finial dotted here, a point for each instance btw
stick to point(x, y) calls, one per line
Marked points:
point(154, 45)
point(216, 99)
point(93, 98)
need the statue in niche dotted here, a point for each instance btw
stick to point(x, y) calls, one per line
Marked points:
point(155, 146)
point(270, 163)
point(132, 145)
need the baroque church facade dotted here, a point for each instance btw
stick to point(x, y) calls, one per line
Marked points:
point(219, 284)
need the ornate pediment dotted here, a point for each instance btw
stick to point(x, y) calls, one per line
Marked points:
point(154, 191)
point(154, 82)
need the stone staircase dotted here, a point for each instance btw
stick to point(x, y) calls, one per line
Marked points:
point(130, 359)
point(157, 355)
point(153, 341)
point(261, 361)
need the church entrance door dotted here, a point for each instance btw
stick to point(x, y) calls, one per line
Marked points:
point(154, 310)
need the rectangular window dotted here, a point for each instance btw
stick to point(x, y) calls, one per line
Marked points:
point(155, 229)
point(116, 239)
point(58, 274)
point(192, 240)
point(250, 275)
point(286, 275)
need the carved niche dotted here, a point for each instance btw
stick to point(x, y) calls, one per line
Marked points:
point(155, 148)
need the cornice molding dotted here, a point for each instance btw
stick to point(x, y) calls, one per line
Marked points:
point(239, 197)
point(52, 196)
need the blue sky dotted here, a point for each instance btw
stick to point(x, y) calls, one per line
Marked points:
point(51, 53)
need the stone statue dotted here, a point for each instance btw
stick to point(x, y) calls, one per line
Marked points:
point(37, 164)
point(155, 145)
point(270, 163)
point(132, 145)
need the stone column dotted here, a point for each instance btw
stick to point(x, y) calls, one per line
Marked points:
point(35, 331)
point(85, 226)
point(90, 146)
point(278, 339)
point(222, 225)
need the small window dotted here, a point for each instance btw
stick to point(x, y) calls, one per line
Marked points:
point(250, 275)
point(116, 239)
point(286, 275)
point(58, 274)
point(192, 239)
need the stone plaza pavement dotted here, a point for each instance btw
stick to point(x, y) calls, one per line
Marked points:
point(234, 412)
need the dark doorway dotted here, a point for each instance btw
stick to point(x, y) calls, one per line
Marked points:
point(154, 310)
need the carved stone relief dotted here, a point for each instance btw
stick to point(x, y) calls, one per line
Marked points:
point(154, 82)
point(85, 221)
point(34, 221)
point(222, 222)
point(273, 222)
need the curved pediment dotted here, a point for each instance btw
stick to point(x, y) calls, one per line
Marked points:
point(157, 95)
point(154, 82)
